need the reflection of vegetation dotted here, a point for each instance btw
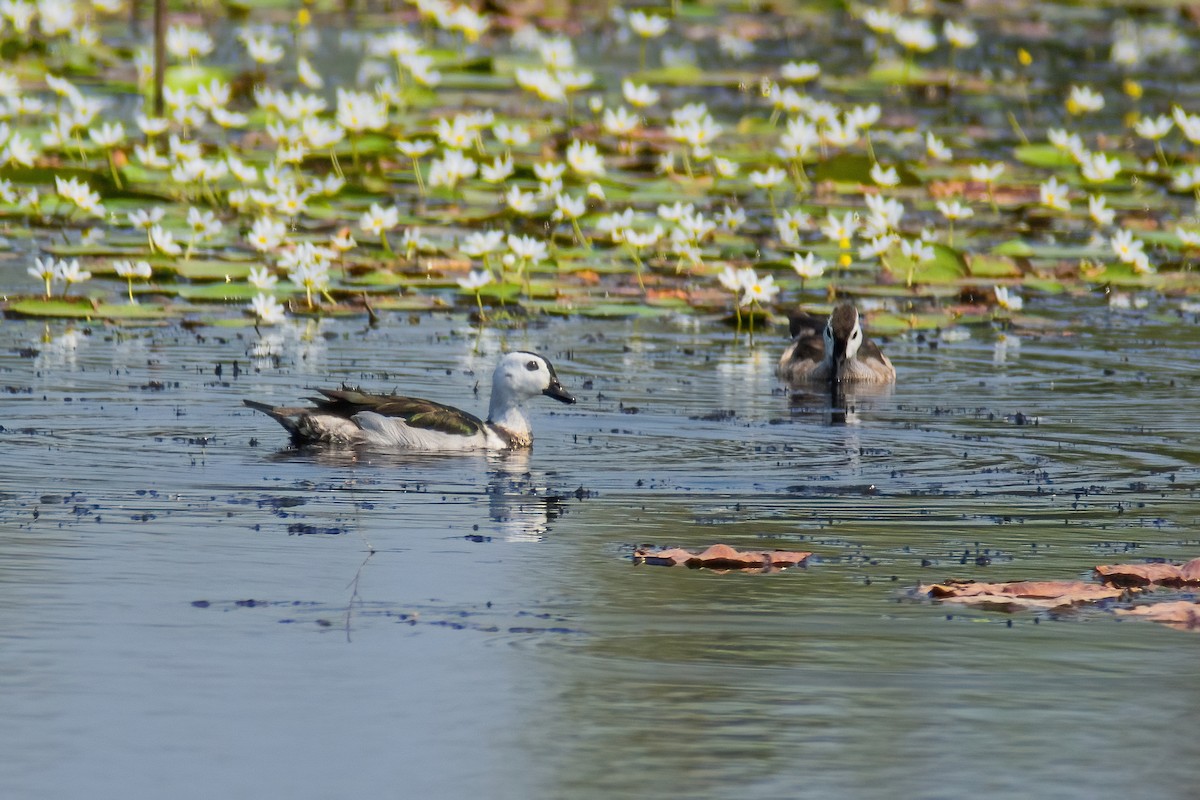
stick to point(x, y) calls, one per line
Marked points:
point(919, 180)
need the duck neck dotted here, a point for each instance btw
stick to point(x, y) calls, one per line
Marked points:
point(504, 412)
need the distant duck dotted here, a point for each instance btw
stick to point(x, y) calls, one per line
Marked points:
point(350, 416)
point(833, 351)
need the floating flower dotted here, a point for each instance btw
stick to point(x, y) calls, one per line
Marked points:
point(885, 177)
point(1083, 99)
point(1054, 195)
point(1010, 301)
point(808, 266)
point(638, 95)
point(1098, 210)
point(936, 148)
point(1125, 247)
point(959, 36)
point(267, 309)
point(585, 159)
point(648, 26)
point(1153, 128)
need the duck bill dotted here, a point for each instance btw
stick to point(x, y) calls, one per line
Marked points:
point(556, 391)
point(839, 361)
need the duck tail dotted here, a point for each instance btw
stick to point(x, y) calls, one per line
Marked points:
point(280, 415)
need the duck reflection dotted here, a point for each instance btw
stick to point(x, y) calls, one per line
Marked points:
point(520, 503)
point(836, 403)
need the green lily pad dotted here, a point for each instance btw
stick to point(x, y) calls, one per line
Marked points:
point(1046, 156)
point(69, 308)
point(985, 266)
point(212, 270)
point(946, 266)
point(885, 324)
point(855, 168)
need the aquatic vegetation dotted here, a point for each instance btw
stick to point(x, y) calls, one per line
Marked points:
point(582, 184)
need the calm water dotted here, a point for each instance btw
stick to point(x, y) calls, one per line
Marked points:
point(189, 610)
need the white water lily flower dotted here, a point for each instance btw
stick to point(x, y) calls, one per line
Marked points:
point(1054, 195)
point(915, 35)
point(378, 220)
point(809, 266)
point(1083, 99)
point(986, 173)
point(800, 71)
point(760, 290)
point(475, 280)
point(262, 50)
point(267, 309)
point(886, 177)
point(262, 278)
point(584, 159)
point(1008, 300)
point(568, 208)
point(1099, 168)
point(917, 250)
point(648, 26)
point(768, 178)
point(1125, 246)
point(959, 35)
point(954, 210)
point(936, 148)
point(481, 243)
point(1154, 128)
point(1099, 211)
point(163, 241)
point(521, 202)
point(638, 95)
point(528, 248)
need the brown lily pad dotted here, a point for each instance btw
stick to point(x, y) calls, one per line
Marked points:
point(1144, 574)
point(1182, 615)
point(1042, 595)
point(720, 556)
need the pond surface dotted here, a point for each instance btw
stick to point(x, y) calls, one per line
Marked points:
point(188, 609)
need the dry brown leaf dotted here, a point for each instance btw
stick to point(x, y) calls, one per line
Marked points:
point(1143, 574)
point(720, 556)
point(1182, 615)
point(1020, 594)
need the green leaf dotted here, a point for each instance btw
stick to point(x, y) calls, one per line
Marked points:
point(985, 266)
point(946, 266)
point(1043, 155)
point(68, 308)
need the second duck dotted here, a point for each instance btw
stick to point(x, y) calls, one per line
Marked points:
point(833, 351)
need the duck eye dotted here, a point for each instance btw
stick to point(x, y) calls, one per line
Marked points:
point(532, 366)
point(854, 335)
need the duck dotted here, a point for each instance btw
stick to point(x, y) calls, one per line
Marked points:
point(352, 417)
point(834, 351)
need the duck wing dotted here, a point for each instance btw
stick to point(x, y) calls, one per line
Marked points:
point(802, 323)
point(869, 351)
point(415, 411)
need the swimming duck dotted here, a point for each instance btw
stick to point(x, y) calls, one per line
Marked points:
point(350, 416)
point(833, 351)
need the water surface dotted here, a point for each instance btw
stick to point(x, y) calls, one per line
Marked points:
point(187, 608)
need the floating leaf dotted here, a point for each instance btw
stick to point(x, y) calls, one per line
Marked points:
point(1043, 155)
point(721, 557)
point(1151, 573)
point(1182, 615)
point(1020, 594)
point(985, 266)
point(84, 309)
point(946, 266)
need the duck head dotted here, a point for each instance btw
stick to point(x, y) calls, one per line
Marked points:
point(843, 336)
point(522, 375)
